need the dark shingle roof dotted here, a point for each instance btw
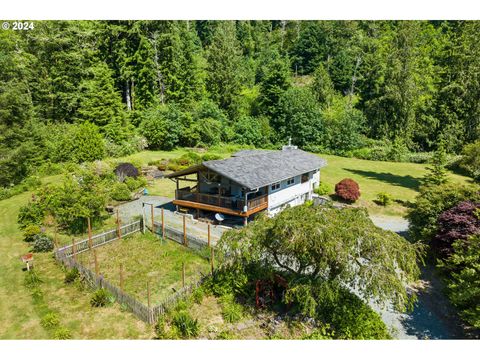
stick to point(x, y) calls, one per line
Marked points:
point(257, 168)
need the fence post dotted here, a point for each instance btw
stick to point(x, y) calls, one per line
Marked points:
point(153, 224)
point(148, 295)
point(119, 231)
point(74, 249)
point(212, 254)
point(184, 231)
point(121, 277)
point(143, 217)
point(89, 234)
point(208, 232)
point(96, 262)
point(183, 274)
point(163, 225)
point(55, 237)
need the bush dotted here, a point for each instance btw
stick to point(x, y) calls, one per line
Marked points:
point(431, 202)
point(71, 276)
point(87, 143)
point(162, 127)
point(471, 160)
point(50, 320)
point(198, 295)
point(457, 223)
point(348, 190)
point(134, 184)
point(101, 298)
point(62, 334)
point(30, 231)
point(323, 189)
point(384, 199)
point(30, 214)
point(231, 311)
point(42, 243)
point(185, 324)
point(120, 192)
point(210, 156)
point(464, 281)
point(126, 170)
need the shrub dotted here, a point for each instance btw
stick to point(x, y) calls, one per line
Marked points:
point(348, 190)
point(464, 281)
point(30, 214)
point(101, 298)
point(197, 295)
point(87, 143)
point(161, 328)
point(125, 170)
point(210, 156)
point(30, 231)
point(384, 199)
point(120, 192)
point(71, 276)
point(42, 243)
point(457, 223)
point(231, 311)
point(162, 127)
point(134, 184)
point(62, 334)
point(471, 160)
point(185, 324)
point(431, 202)
point(323, 189)
point(50, 320)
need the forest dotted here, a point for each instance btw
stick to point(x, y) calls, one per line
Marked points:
point(75, 91)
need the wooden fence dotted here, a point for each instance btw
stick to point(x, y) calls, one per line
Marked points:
point(102, 239)
point(145, 313)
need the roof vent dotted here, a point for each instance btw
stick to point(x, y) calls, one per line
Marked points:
point(289, 146)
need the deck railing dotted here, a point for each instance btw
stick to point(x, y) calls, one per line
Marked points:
point(221, 201)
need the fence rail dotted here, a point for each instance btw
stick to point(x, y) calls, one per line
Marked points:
point(102, 239)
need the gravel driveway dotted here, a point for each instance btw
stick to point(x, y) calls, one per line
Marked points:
point(433, 317)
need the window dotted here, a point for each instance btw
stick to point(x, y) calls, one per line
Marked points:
point(305, 178)
point(290, 181)
point(275, 186)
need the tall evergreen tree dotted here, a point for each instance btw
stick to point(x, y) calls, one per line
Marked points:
point(224, 60)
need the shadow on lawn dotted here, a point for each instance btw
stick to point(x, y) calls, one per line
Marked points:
point(407, 181)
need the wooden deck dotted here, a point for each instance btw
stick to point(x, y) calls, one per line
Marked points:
point(257, 206)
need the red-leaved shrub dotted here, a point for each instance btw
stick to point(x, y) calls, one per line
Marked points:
point(348, 190)
point(457, 223)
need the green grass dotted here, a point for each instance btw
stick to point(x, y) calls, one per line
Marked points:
point(401, 180)
point(145, 258)
point(21, 314)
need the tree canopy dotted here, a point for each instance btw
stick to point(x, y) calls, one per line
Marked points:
point(331, 245)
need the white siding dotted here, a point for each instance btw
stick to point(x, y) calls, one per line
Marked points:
point(295, 194)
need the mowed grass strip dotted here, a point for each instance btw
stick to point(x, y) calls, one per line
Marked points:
point(146, 258)
point(401, 180)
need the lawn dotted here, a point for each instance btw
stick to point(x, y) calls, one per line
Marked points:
point(20, 315)
point(145, 258)
point(401, 180)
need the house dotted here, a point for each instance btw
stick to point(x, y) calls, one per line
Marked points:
point(249, 182)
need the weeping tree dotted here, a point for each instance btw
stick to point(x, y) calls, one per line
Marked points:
point(313, 245)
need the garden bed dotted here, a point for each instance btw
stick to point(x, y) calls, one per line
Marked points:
point(146, 259)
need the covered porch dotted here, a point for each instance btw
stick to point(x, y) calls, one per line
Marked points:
point(209, 191)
